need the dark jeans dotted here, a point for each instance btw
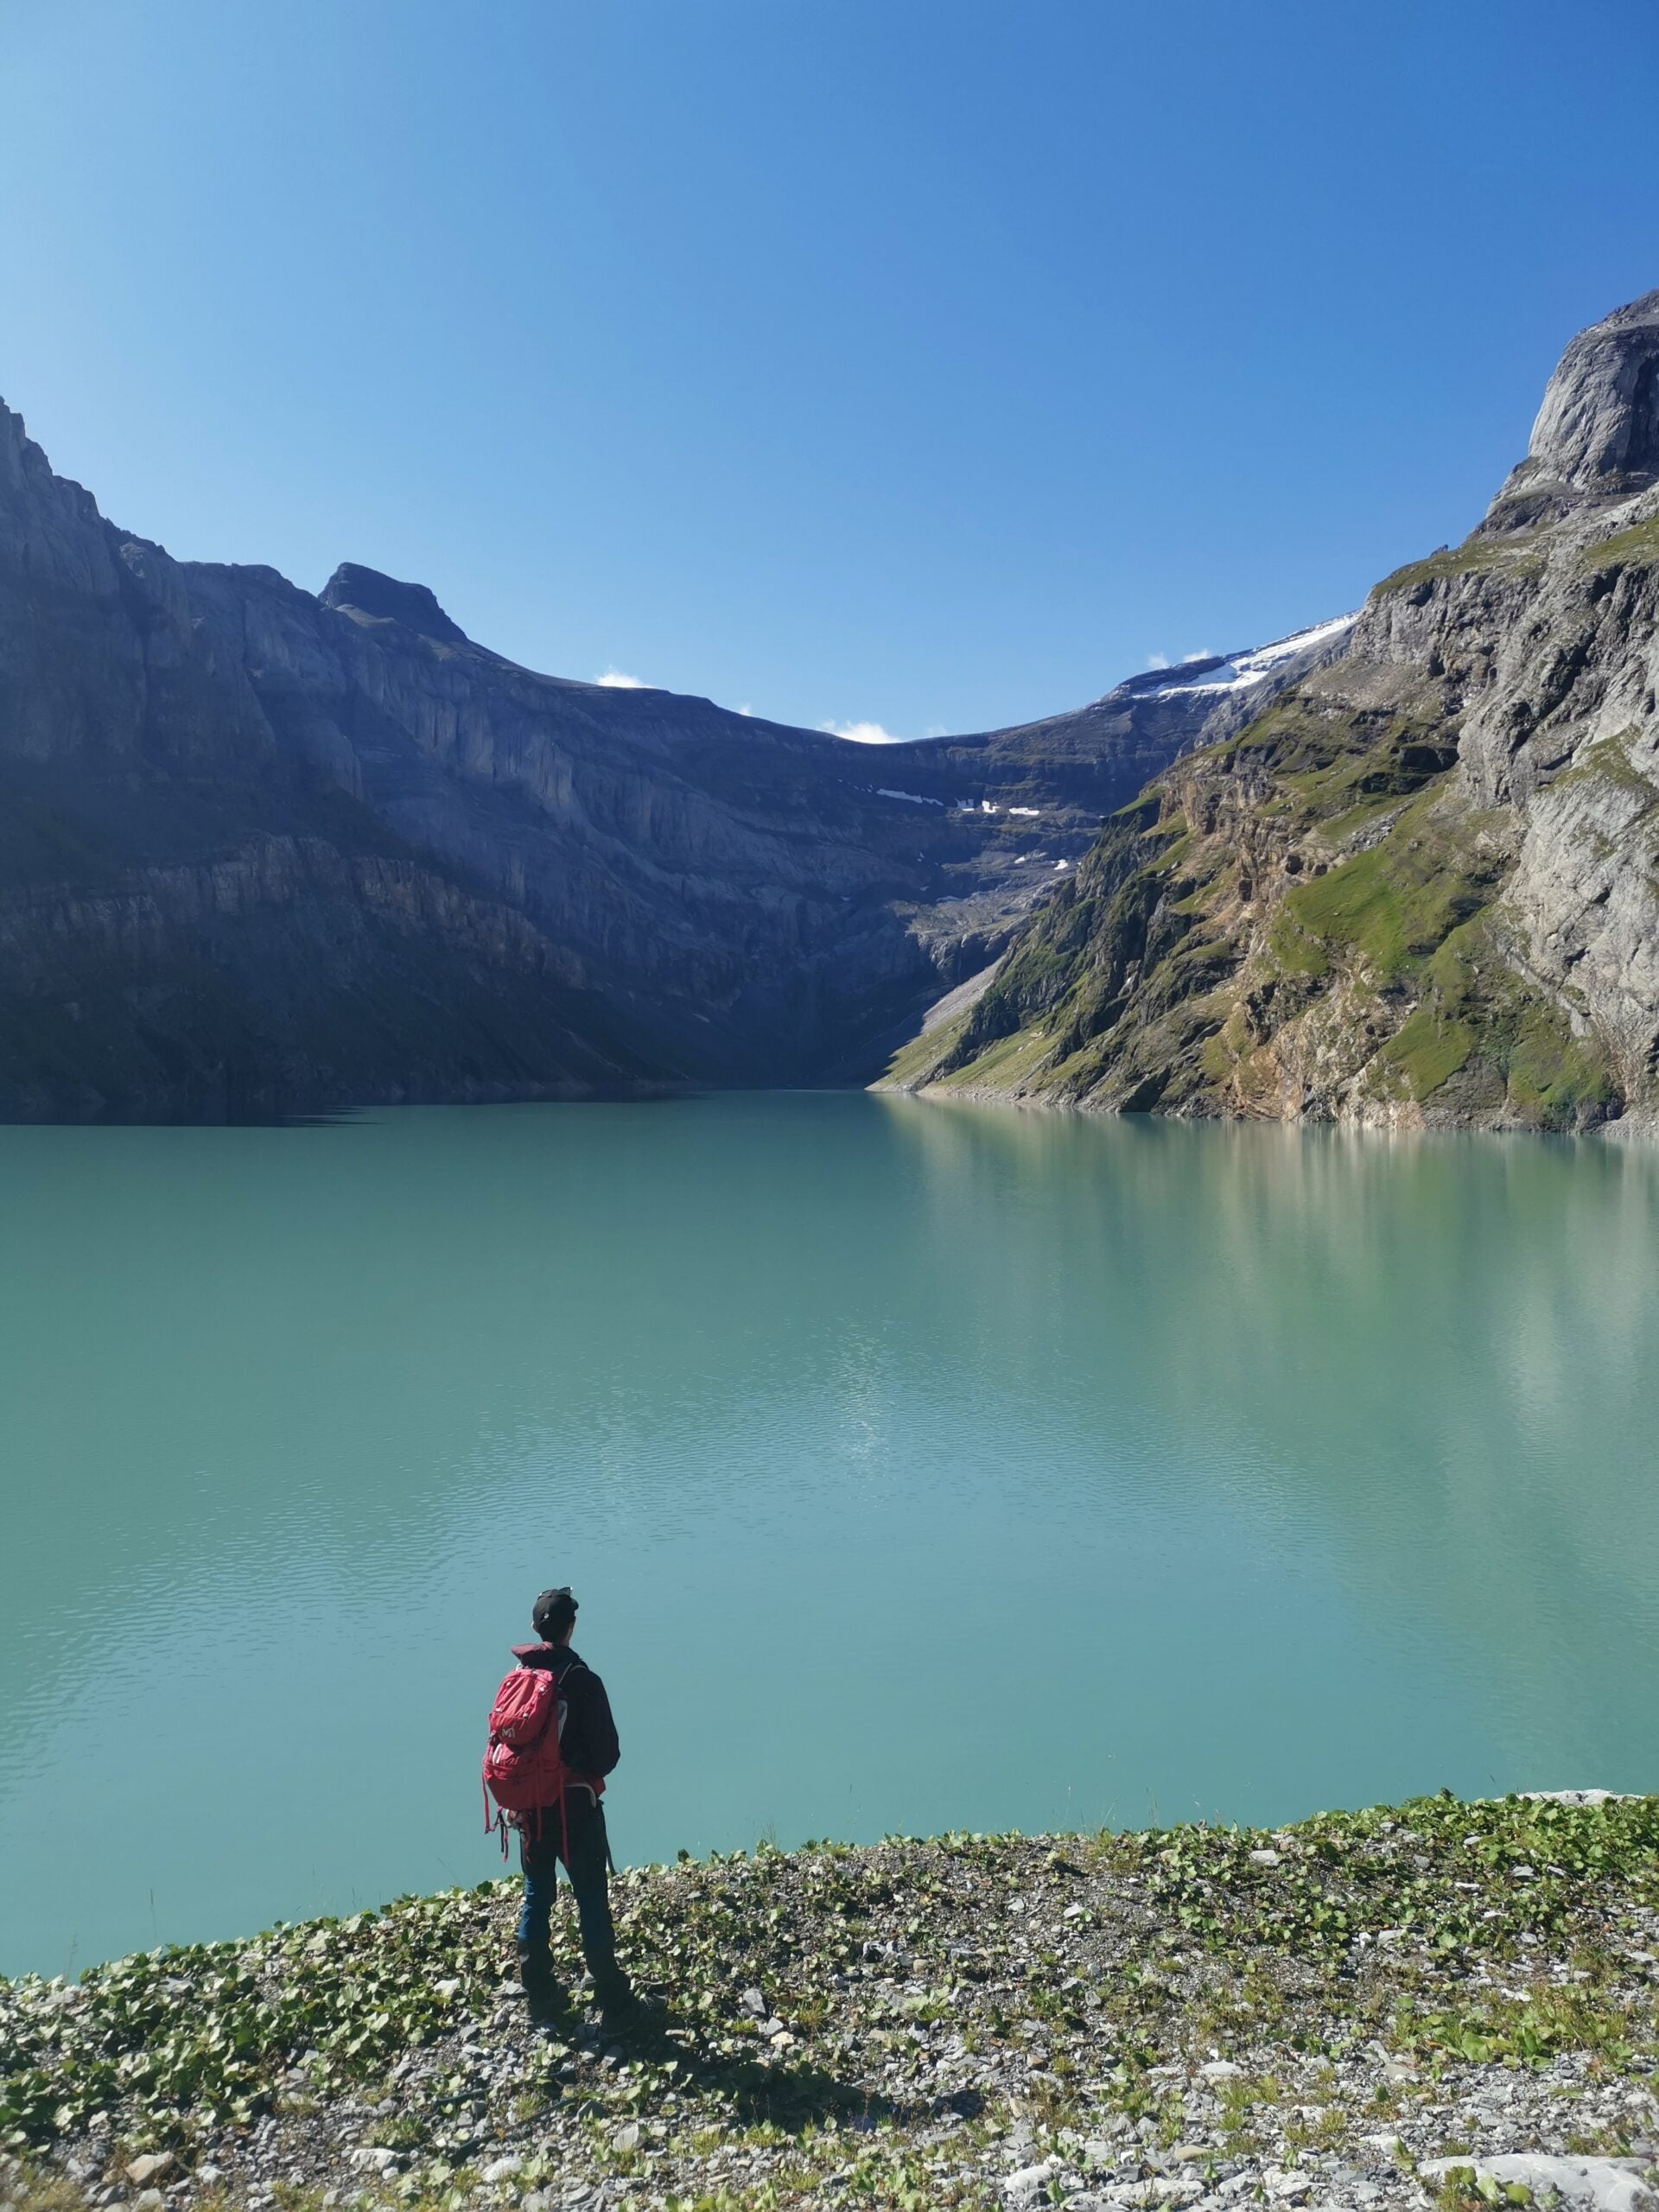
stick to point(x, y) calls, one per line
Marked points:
point(586, 1856)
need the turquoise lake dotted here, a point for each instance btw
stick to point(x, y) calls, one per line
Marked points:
point(917, 1466)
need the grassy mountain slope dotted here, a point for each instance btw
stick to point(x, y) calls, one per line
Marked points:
point(1422, 889)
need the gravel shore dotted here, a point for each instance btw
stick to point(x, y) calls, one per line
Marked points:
point(1194, 2017)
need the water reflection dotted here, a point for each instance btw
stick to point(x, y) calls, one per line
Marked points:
point(1111, 1463)
point(1438, 1345)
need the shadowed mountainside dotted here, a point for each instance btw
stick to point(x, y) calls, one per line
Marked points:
point(263, 851)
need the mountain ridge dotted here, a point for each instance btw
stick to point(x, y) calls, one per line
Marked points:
point(264, 850)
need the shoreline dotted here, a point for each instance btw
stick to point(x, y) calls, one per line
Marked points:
point(1193, 2017)
point(1635, 1128)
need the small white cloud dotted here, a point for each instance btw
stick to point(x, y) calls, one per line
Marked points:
point(617, 681)
point(746, 709)
point(1157, 660)
point(862, 733)
point(1205, 655)
point(937, 729)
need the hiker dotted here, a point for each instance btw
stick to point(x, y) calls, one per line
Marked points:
point(561, 1767)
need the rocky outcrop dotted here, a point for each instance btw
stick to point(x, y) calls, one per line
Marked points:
point(1420, 888)
point(1597, 434)
point(263, 851)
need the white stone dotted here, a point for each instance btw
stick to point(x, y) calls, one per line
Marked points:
point(374, 2157)
point(146, 2168)
point(1575, 1797)
point(1222, 2069)
point(1287, 2187)
point(1026, 2185)
point(626, 2139)
point(1606, 2184)
point(503, 2168)
point(1264, 1858)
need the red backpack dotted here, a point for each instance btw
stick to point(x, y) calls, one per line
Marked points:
point(523, 1767)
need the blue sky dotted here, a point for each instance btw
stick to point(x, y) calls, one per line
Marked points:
point(927, 363)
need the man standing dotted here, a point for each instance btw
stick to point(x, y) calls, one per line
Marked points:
point(574, 1830)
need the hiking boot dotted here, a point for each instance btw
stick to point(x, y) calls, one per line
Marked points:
point(537, 1979)
point(622, 2010)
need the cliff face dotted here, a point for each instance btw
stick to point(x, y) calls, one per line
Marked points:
point(1423, 887)
point(263, 851)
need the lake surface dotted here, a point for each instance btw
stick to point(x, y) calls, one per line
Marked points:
point(917, 1466)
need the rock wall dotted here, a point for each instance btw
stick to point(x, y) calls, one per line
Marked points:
point(263, 849)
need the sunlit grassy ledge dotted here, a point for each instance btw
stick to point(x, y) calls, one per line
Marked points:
point(1194, 2015)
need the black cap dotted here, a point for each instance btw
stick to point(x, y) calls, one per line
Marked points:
point(554, 1609)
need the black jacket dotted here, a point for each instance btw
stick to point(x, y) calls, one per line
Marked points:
point(588, 1742)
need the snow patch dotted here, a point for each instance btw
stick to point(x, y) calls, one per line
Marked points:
point(915, 797)
point(1239, 670)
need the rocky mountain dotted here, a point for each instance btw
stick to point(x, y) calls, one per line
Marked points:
point(263, 851)
point(1422, 888)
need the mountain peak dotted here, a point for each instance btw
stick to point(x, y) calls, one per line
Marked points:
point(1597, 429)
point(356, 590)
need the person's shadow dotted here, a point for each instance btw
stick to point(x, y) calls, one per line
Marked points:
point(791, 2096)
